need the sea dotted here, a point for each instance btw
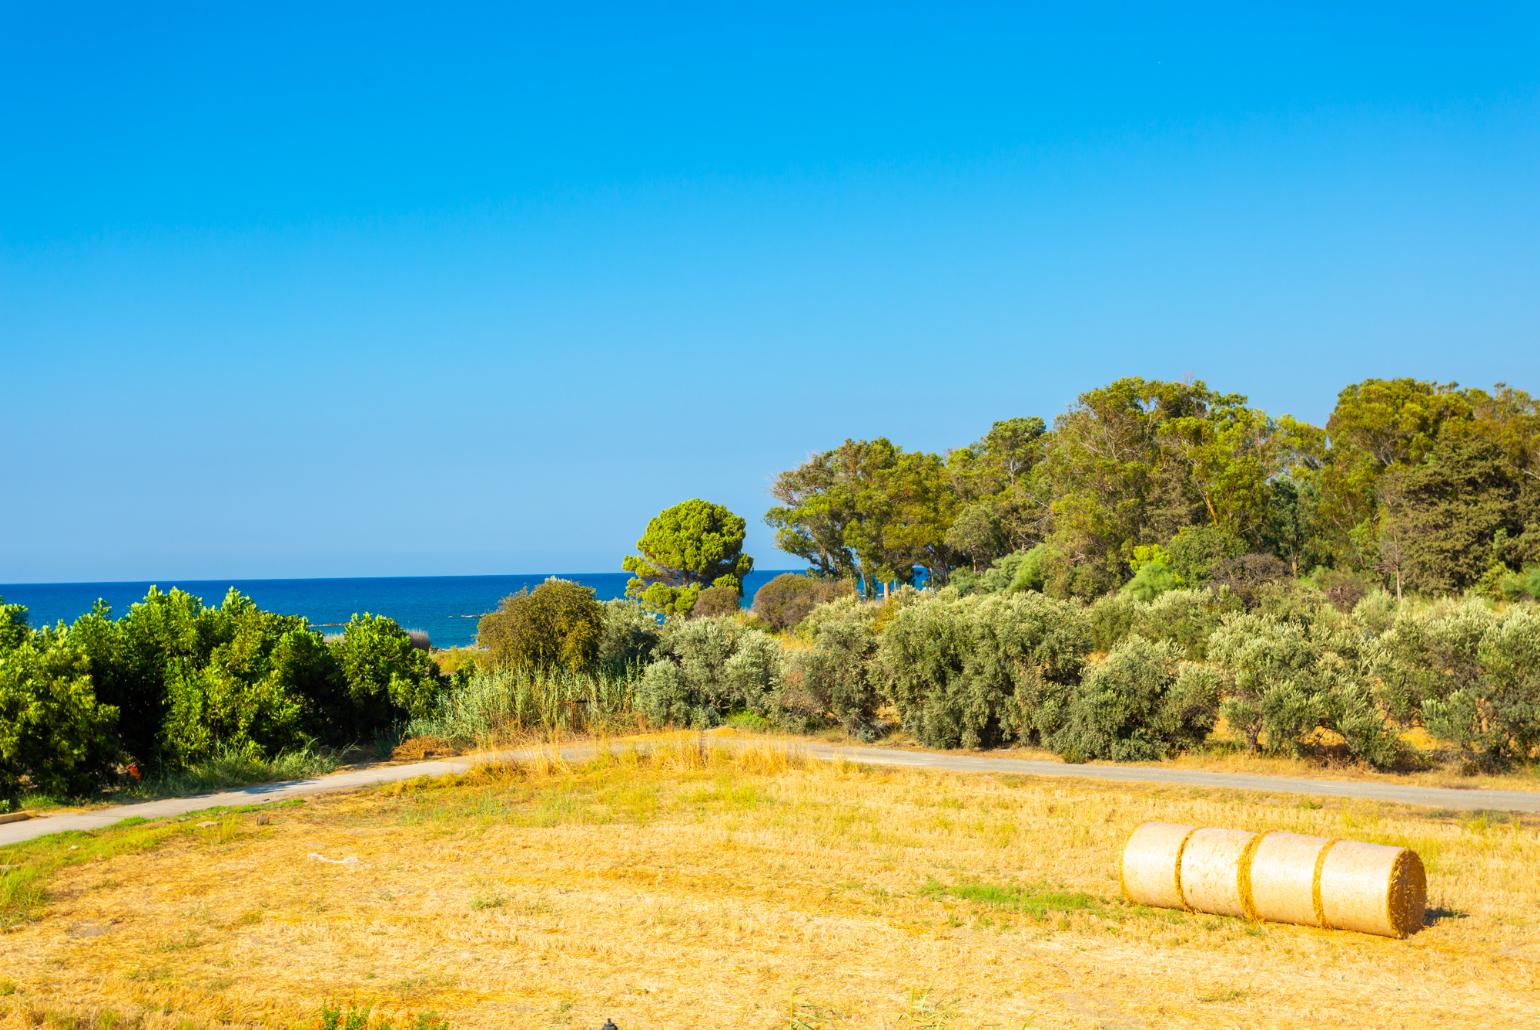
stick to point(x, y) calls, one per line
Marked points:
point(445, 607)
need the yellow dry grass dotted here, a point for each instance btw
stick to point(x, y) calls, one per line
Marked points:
point(746, 889)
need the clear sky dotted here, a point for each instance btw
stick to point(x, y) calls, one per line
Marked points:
point(307, 290)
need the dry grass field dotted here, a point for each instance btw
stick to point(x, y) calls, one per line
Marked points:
point(737, 889)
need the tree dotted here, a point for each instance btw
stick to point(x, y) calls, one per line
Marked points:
point(693, 545)
point(1376, 424)
point(54, 735)
point(556, 625)
point(1004, 510)
point(788, 598)
point(867, 511)
point(1135, 461)
point(1439, 517)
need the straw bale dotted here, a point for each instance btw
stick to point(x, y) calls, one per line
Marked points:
point(1151, 861)
point(1372, 888)
point(1282, 876)
point(1213, 868)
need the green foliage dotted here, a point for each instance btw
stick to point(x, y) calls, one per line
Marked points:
point(1195, 553)
point(556, 625)
point(787, 599)
point(497, 705)
point(1469, 673)
point(869, 512)
point(1521, 585)
point(54, 734)
point(387, 679)
point(1153, 574)
point(980, 671)
point(1289, 675)
point(629, 636)
point(706, 669)
point(715, 602)
point(686, 548)
point(835, 680)
point(1138, 703)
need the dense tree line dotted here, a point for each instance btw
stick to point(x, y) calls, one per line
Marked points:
point(172, 683)
point(1416, 485)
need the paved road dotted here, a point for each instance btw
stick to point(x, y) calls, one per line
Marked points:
point(1369, 790)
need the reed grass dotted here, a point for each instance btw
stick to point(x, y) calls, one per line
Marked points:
point(504, 705)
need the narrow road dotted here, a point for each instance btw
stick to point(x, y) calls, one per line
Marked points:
point(1368, 790)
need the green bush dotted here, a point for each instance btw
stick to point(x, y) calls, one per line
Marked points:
point(705, 670)
point(834, 680)
point(1524, 585)
point(980, 671)
point(1185, 618)
point(1196, 553)
point(1494, 717)
point(715, 602)
point(787, 599)
point(630, 635)
point(1138, 703)
point(1292, 673)
point(497, 705)
point(556, 625)
point(387, 679)
point(1111, 618)
point(55, 736)
point(1246, 576)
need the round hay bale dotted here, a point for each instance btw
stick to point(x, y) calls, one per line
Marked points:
point(1372, 888)
point(1213, 870)
point(1151, 863)
point(1282, 878)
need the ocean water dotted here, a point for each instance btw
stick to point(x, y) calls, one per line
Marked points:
point(447, 607)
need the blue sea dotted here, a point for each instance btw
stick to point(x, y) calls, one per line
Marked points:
point(447, 607)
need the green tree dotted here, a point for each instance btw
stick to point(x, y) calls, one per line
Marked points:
point(1135, 461)
point(388, 680)
point(55, 736)
point(867, 511)
point(1439, 517)
point(1003, 509)
point(559, 624)
point(693, 545)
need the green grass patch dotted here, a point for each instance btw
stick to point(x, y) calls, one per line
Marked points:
point(1036, 901)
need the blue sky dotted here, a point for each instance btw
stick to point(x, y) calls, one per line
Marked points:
point(452, 289)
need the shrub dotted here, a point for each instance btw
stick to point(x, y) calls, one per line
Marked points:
point(707, 669)
point(980, 671)
point(834, 679)
point(1024, 570)
point(1195, 553)
point(1523, 585)
point(630, 635)
point(1287, 675)
point(212, 710)
point(1153, 574)
point(1138, 703)
point(787, 599)
point(1111, 618)
point(1245, 576)
point(556, 625)
point(54, 735)
point(129, 657)
point(1185, 618)
point(495, 705)
point(387, 679)
point(715, 602)
point(1493, 717)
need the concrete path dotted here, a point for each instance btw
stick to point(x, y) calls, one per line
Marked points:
point(1368, 790)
